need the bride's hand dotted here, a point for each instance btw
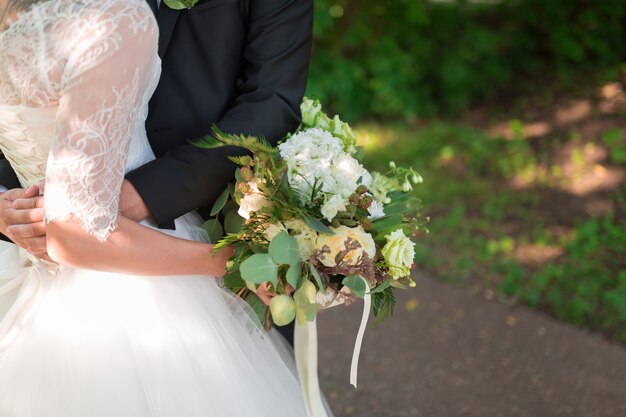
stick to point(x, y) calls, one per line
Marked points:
point(218, 261)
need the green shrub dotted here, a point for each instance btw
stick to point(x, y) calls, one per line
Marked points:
point(415, 58)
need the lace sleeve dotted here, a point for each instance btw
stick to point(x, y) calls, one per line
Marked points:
point(108, 79)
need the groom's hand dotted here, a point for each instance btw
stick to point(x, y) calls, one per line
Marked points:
point(21, 219)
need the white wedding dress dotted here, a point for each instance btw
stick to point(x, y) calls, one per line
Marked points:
point(75, 79)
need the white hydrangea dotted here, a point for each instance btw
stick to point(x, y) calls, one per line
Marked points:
point(315, 156)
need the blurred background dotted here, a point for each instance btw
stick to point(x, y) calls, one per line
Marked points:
point(514, 112)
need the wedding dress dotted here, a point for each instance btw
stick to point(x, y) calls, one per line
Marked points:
point(75, 79)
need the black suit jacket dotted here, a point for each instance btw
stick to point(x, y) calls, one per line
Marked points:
point(239, 64)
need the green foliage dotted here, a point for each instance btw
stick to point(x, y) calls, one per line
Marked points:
point(214, 229)
point(588, 286)
point(259, 268)
point(616, 143)
point(407, 58)
point(284, 249)
point(479, 221)
point(383, 303)
point(356, 285)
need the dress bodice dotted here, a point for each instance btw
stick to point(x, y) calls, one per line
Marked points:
point(75, 80)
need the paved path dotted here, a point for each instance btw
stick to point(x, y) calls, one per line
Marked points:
point(447, 353)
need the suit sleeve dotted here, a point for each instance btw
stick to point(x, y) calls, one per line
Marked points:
point(276, 59)
point(7, 174)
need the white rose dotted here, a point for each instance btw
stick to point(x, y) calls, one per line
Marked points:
point(332, 206)
point(337, 243)
point(399, 253)
point(305, 236)
point(253, 200)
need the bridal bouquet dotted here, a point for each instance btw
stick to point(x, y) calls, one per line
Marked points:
point(310, 226)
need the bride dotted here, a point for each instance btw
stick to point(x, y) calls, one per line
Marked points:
point(93, 331)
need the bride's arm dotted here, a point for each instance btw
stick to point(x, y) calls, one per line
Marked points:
point(111, 64)
point(134, 249)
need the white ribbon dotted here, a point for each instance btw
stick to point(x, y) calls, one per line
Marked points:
point(367, 305)
point(305, 346)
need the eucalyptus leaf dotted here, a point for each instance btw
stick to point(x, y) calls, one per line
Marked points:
point(214, 229)
point(259, 268)
point(318, 278)
point(284, 249)
point(238, 176)
point(294, 273)
point(233, 222)
point(356, 285)
point(221, 201)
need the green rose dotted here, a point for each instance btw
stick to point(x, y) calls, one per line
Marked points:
point(344, 132)
point(180, 4)
point(399, 253)
point(310, 110)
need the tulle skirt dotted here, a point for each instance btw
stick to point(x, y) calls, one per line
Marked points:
point(78, 343)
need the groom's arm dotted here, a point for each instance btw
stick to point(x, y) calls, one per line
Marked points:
point(276, 59)
point(8, 178)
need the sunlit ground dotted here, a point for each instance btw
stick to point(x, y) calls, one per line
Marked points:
point(531, 208)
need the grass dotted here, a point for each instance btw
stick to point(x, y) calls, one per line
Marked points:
point(538, 218)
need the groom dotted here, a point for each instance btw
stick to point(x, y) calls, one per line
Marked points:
point(239, 64)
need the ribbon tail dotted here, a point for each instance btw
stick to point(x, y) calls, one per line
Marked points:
point(305, 346)
point(367, 306)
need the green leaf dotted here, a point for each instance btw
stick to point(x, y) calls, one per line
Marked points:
point(226, 241)
point(259, 268)
point(383, 303)
point(380, 288)
point(306, 302)
point(356, 285)
point(317, 225)
point(294, 274)
point(397, 284)
point(234, 280)
point(284, 249)
point(388, 222)
point(316, 275)
point(221, 200)
point(238, 176)
point(233, 222)
point(214, 228)
point(241, 160)
point(257, 305)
